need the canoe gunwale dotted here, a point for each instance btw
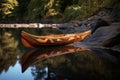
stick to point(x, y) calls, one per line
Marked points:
point(62, 39)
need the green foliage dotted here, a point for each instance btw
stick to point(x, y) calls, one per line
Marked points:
point(82, 9)
point(38, 9)
point(8, 50)
point(113, 3)
point(7, 7)
point(75, 9)
point(8, 41)
point(21, 9)
point(72, 12)
point(35, 10)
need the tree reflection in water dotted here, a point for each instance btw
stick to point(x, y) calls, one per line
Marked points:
point(80, 65)
point(46, 52)
point(8, 51)
point(41, 54)
point(40, 74)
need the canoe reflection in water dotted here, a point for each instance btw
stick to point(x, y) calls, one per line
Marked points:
point(42, 53)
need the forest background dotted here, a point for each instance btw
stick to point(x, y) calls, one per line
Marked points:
point(53, 10)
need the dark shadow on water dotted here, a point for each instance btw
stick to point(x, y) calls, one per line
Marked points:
point(113, 56)
point(55, 63)
point(43, 53)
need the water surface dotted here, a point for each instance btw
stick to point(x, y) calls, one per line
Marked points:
point(54, 63)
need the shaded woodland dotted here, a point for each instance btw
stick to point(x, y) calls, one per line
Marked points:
point(52, 10)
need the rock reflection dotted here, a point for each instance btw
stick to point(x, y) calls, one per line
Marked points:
point(42, 53)
point(82, 65)
point(8, 51)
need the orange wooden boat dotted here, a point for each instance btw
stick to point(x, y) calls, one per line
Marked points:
point(32, 41)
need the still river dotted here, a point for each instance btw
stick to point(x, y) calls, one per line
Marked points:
point(54, 63)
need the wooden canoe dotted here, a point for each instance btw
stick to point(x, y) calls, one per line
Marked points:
point(32, 41)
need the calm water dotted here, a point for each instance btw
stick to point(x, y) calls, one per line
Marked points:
point(54, 63)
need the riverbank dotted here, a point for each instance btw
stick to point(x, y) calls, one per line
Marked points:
point(105, 29)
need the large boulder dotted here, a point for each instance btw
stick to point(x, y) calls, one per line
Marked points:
point(104, 36)
point(95, 24)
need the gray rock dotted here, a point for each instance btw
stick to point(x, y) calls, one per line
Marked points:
point(116, 48)
point(102, 34)
point(98, 23)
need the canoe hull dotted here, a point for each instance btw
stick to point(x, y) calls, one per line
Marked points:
point(32, 41)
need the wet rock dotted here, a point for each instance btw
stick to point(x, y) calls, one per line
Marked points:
point(67, 29)
point(116, 48)
point(98, 23)
point(112, 42)
point(104, 34)
point(116, 15)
